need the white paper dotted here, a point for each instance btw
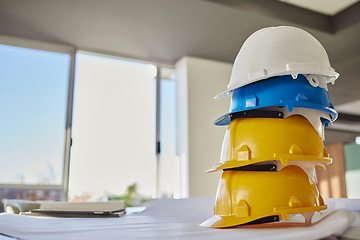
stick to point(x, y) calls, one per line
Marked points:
point(174, 219)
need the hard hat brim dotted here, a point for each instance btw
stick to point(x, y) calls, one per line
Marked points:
point(281, 91)
point(226, 118)
point(218, 221)
point(283, 158)
point(332, 77)
point(253, 113)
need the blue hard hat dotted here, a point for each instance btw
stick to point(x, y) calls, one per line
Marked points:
point(282, 91)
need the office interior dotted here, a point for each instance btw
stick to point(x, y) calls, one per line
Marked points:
point(107, 100)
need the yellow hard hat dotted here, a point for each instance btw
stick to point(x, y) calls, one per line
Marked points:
point(245, 196)
point(254, 140)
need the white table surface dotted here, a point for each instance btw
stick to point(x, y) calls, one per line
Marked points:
point(180, 219)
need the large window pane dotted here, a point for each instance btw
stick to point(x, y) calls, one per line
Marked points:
point(113, 128)
point(170, 164)
point(352, 174)
point(33, 98)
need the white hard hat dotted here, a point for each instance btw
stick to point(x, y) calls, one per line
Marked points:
point(277, 51)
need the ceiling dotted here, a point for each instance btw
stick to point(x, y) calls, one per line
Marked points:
point(326, 7)
point(163, 31)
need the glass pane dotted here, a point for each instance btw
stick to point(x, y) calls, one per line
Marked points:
point(170, 164)
point(33, 98)
point(113, 128)
point(352, 174)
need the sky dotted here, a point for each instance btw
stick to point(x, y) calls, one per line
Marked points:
point(33, 93)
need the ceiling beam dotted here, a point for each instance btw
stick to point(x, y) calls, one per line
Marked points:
point(348, 117)
point(346, 123)
point(346, 18)
point(297, 15)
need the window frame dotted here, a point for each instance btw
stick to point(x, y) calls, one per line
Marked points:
point(158, 80)
point(57, 48)
point(72, 51)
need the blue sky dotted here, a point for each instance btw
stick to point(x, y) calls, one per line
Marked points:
point(33, 95)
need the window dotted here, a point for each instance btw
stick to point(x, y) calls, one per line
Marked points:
point(113, 128)
point(352, 173)
point(33, 104)
point(170, 163)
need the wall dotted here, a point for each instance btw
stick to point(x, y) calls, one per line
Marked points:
point(331, 180)
point(199, 140)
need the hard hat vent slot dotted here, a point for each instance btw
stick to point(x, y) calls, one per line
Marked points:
point(295, 202)
point(257, 74)
point(242, 209)
point(252, 101)
point(301, 97)
point(244, 153)
point(296, 150)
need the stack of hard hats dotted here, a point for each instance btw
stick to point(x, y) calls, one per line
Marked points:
point(274, 141)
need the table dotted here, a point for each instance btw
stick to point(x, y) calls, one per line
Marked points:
point(180, 219)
